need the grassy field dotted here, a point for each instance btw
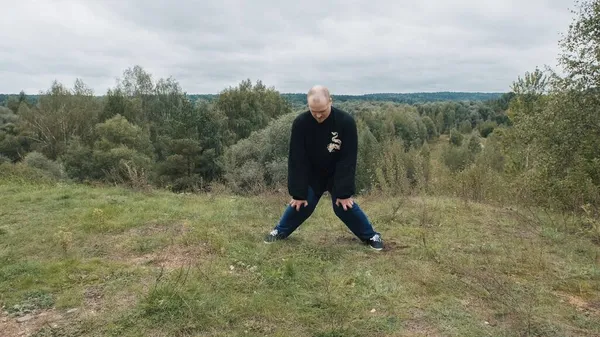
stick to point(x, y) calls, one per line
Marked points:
point(83, 261)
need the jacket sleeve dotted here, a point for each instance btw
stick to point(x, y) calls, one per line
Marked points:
point(297, 164)
point(345, 171)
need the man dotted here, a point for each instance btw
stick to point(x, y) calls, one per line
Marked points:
point(322, 157)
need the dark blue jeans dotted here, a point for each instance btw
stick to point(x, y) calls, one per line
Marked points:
point(354, 218)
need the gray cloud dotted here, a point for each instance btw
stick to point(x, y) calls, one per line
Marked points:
point(353, 47)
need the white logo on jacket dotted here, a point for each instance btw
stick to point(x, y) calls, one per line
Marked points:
point(336, 143)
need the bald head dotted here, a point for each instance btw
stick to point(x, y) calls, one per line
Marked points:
point(319, 102)
point(318, 93)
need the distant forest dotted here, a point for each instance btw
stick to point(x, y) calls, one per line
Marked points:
point(299, 99)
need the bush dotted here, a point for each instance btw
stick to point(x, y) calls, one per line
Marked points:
point(400, 172)
point(456, 158)
point(79, 163)
point(473, 176)
point(486, 128)
point(249, 178)
point(391, 169)
point(465, 127)
point(24, 174)
point(276, 171)
point(479, 182)
point(4, 159)
point(474, 144)
point(117, 131)
point(456, 138)
point(259, 161)
point(39, 161)
point(367, 158)
point(123, 165)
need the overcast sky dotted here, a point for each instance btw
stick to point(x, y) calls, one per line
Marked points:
point(353, 46)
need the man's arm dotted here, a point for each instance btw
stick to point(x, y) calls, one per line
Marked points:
point(345, 171)
point(297, 164)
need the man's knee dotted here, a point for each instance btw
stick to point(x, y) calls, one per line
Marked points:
point(340, 211)
point(304, 210)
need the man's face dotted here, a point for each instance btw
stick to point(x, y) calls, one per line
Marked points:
point(320, 108)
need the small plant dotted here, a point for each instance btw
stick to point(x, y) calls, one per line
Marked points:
point(592, 221)
point(64, 239)
point(32, 301)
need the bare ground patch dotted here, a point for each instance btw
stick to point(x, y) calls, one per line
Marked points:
point(580, 304)
point(153, 228)
point(31, 323)
point(177, 252)
point(418, 327)
point(172, 257)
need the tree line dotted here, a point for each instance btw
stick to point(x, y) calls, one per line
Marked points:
point(151, 131)
point(298, 100)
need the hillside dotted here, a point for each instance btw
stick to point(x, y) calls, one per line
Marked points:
point(99, 261)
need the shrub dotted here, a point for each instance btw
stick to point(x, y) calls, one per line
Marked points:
point(465, 127)
point(456, 158)
point(248, 178)
point(39, 161)
point(276, 171)
point(456, 138)
point(259, 161)
point(486, 128)
point(367, 158)
point(25, 174)
point(4, 159)
point(474, 145)
point(391, 169)
point(78, 161)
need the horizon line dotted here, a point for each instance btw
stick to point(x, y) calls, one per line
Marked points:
point(339, 94)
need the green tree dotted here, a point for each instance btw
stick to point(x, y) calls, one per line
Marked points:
point(367, 158)
point(15, 141)
point(555, 140)
point(432, 131)
point(456, 138)
point(60, 115)
point(250, 107)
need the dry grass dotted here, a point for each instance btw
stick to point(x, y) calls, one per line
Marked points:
point(155, 263)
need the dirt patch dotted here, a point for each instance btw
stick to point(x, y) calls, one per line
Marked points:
point(172, 257)
point(419, 328)
point(153, 228)
point(580, 304)
point(340, 239)
point(171, 253)
point(390, 246)
point(29, 324)
point(93, 298)
point(9, 326)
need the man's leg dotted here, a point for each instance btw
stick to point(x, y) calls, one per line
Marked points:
point(292, 219)
point(356, 220)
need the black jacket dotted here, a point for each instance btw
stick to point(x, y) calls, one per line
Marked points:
point(323, 156)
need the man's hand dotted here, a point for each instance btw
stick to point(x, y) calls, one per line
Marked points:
point(297, 203)
point(346, 203)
